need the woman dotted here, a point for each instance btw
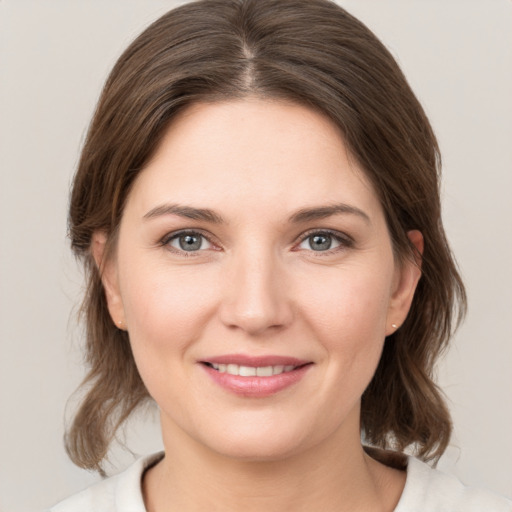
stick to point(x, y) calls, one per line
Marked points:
point(257, 207)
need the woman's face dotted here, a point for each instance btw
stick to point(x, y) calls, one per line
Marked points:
point(255, 275)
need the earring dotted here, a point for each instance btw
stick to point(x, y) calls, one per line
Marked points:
point(394, 326)
point(120, 324)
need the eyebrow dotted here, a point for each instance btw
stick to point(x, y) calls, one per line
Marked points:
point(302, 215)
point(187, 212)
point(322, 212)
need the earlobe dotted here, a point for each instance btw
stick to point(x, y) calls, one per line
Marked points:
point(109, 278)
point(405, 285)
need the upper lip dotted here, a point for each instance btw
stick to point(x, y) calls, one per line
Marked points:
point(256, 361)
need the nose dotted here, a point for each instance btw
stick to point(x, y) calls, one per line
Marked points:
point(255, 294)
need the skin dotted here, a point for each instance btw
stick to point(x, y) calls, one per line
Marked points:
point(257, 286)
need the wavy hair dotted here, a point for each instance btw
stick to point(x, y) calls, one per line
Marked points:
point(311, 52)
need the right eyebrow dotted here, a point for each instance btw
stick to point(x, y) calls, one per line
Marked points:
point(188, 212)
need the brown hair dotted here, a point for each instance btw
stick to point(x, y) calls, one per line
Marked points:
point(314, 53)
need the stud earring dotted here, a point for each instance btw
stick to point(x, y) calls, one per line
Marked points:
point(394, 326)
point(120, 324)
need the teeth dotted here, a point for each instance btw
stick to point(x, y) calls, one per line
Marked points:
point(264, 371)
point(233, 369)
point(247, 371)
point(276, 370)
point(252, 371)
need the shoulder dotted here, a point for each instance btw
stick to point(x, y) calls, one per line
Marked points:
point(430, 490)
point(118, 493)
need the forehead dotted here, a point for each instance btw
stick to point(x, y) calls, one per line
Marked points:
point(255, 152)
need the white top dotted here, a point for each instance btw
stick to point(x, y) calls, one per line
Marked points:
point(426, 490)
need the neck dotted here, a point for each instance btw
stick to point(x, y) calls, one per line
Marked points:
point(335, 476)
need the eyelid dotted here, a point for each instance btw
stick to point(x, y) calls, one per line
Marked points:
point(345, 240)
point(164, 241)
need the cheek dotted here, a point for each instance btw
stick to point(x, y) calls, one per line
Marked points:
point(349, 302)
point(349, 320)
point(166, 307)
point(166, 311)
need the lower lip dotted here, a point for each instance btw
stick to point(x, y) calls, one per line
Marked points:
point(256, 387)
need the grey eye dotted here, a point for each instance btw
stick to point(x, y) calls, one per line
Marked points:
point(320, 242)
point(189, 242)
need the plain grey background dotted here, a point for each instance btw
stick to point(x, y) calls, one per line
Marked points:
point(54, 57)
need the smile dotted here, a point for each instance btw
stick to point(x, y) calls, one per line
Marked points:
point(252, 371)
point(255, 377)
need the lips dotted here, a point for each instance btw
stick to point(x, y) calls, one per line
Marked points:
point(255, 376)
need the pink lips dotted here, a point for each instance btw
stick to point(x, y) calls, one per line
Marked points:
point(256, 386)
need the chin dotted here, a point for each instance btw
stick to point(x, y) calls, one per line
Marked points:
point(257, 450)
point(256, 442)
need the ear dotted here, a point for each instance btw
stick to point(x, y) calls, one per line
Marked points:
point(406, 279)
point(109, 278)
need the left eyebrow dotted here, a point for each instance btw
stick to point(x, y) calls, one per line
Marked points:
point(322, 212)
point(188, 212)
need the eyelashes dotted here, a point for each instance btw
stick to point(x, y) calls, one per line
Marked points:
point(319, 242)
point(188, 242)
point(324, 241)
